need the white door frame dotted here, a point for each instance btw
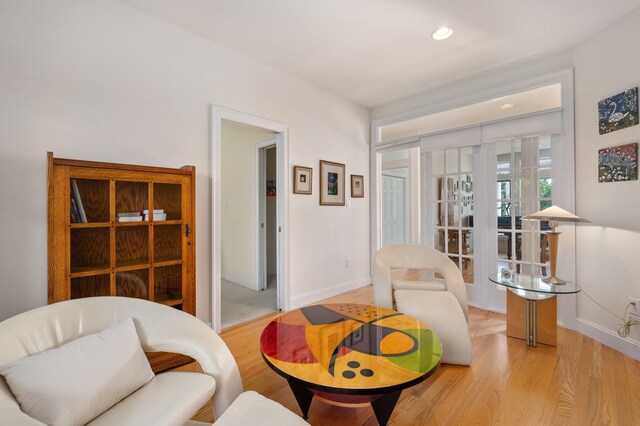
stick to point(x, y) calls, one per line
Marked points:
point(217, 115)
point(563, 171)
point(261, 226)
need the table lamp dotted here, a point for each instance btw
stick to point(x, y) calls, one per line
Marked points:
point(554, 214)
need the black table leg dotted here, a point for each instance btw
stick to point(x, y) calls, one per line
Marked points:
point(384, 405)
point(303, 396)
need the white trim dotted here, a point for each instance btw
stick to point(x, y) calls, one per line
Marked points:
point(608, 337)
point(217, 115)
point(453, 138)
point(489, 309)
point(261, 237)
point(325, 293)
point(542, 123)
point(414, 195)
point(403, 143)
point(486, 95)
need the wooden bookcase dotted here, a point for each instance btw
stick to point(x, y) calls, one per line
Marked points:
point(151, 259)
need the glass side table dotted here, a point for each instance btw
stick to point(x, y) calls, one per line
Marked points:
point(532, 289)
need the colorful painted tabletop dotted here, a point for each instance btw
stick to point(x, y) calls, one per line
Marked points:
point(351, 347)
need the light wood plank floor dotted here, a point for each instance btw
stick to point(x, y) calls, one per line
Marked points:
point(581, 382)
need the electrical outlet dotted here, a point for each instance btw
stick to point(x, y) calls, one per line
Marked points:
point(635, 308)
point(348, 262)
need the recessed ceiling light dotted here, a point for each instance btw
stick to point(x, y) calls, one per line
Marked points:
point(442, 33)
point(506, 106)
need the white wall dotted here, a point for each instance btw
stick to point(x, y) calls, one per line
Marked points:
point(608, 249)
point(99, 80)
point(239, 243)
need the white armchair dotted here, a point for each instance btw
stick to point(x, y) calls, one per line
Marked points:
point(170, 398)
point(414, 256)
point(439, 303)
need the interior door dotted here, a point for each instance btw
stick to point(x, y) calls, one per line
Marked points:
point(394, 210)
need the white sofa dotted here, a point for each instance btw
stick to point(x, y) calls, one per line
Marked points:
point(170, 398)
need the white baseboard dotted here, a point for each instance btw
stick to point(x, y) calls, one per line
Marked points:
point(325, 293)
point(609, 337)
point(497, 310)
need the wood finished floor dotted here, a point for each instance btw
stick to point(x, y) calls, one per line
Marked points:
point(581, 382)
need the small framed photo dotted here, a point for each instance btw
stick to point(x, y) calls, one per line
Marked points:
point(332, 185)
point(357, 186)
point(302, 178)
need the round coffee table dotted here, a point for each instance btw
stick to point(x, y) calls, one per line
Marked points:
point(349, 354)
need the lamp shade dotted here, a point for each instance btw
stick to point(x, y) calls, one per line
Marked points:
point(555, 213)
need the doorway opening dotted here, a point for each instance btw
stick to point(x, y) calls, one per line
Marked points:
point(249, 258)
point(249, 250)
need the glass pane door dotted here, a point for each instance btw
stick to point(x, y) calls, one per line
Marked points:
point(452, 206)
point(523, 187)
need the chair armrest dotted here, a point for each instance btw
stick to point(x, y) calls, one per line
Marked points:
point(178, 332)
point(382, 290)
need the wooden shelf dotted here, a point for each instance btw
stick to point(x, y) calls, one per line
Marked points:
point(105, 257)
point(166, 222)
point(167, 262)
point(169, 302)
point(124, 224)
point(128, 265)
point(90, 225)
point(87, 271)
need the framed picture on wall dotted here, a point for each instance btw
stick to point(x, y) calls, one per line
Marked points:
point(357, 186)
point(618, 111)
point(332, 185)
point(302, 180)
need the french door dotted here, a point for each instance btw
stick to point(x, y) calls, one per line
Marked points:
point(474, 199)
point(450, 206)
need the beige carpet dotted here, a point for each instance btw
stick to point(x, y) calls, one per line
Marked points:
point(240, 304)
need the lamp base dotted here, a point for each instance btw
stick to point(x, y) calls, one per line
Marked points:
point(554, 280)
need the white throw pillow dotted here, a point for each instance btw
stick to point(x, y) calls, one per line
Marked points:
point(78, 381)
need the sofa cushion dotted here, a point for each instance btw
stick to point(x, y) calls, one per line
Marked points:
point(251, 408)
point(169, 399)
point(76, 382)
point(419, 285)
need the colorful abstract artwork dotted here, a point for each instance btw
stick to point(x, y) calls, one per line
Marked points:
point(350, 346)
point(332, 187)
point(332, 178)
point(618, 163)
point(618, 112)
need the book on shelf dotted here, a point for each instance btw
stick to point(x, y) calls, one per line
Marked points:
point(78, 200)
point(75, 216)
point(129, 214)
point(157, 217)
point(130, 219)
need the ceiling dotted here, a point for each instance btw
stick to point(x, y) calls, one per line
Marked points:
point(377, 51)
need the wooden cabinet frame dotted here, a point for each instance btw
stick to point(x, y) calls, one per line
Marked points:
point(103, 250)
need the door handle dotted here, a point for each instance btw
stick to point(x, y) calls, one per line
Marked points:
point(262, 225)
point(187, 230)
